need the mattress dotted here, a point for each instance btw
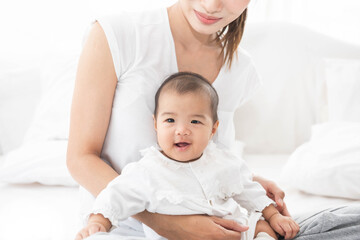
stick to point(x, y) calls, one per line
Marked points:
point(39, 212)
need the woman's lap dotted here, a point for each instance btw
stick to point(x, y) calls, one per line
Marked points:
point(335, 223)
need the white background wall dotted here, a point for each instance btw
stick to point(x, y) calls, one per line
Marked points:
point(340, 19)
point(35, 28)
point(32, 29)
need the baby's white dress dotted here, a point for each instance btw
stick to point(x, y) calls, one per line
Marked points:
point(217, 184)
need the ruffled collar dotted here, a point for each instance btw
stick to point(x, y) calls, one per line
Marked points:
point(155, 152)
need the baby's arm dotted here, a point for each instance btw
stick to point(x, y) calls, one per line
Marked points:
point(126, 195)
point(123, 197)
point(254, 198)
point(96, 223)
point(283, 225)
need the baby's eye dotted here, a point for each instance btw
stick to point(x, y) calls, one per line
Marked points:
point(170, 120)
point(195, 121)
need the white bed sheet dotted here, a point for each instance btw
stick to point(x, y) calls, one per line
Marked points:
point(298, 202)
point(38, 212)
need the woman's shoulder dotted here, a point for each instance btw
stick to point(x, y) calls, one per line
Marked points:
point(131, 34)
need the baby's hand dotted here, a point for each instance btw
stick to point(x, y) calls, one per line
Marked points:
point(284, 225)
point(90, 229)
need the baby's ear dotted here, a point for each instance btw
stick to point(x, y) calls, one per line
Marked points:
point(215, 127)
point(155, 125)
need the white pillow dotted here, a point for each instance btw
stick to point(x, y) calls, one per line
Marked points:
point(41, 158)
point(329, 164)
point(42, 162)
point(52, 117)
point(20, 91)
point(343, 89)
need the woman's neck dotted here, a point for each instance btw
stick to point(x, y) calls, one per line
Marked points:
point(184, 34)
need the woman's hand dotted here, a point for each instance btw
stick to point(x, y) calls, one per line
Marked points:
point(192, 227)
point(275, 193)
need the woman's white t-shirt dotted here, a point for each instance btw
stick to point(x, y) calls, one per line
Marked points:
point(143, 53)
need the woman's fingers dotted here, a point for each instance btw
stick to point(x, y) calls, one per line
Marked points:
point(283, 210)
point(278, 195)
point(279, 200)
point(221, 233)
point(199, 227)
point(229, 235)
point(275, 193)
point(213, 228)
point(230, 224)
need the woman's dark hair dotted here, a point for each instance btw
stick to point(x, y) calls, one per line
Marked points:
point(188, 82)
point(230, 37)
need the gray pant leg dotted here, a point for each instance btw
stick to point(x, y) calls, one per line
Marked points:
point(335, 223)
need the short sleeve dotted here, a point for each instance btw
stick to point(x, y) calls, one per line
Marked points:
point(125, 196)
point(252, 84)
point(121, 36)
point(253, 196)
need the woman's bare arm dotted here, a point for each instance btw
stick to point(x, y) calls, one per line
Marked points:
point(192, 227)
point(90, 113)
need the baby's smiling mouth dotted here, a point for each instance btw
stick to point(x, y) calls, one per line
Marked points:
point(182, 144)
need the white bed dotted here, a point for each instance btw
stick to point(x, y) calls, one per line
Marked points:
point(39, 212)
point(294, 63)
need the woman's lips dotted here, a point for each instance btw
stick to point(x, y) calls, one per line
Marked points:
point(205, 18)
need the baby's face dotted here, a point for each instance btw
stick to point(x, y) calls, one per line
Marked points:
point(184, 125)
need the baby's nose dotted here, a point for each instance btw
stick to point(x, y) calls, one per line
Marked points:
point(182, 130)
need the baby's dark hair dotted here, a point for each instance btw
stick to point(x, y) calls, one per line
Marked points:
point(188, 82)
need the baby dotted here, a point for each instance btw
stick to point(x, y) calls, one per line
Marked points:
point(188, 173)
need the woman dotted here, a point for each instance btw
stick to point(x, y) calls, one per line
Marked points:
point(123, 62)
